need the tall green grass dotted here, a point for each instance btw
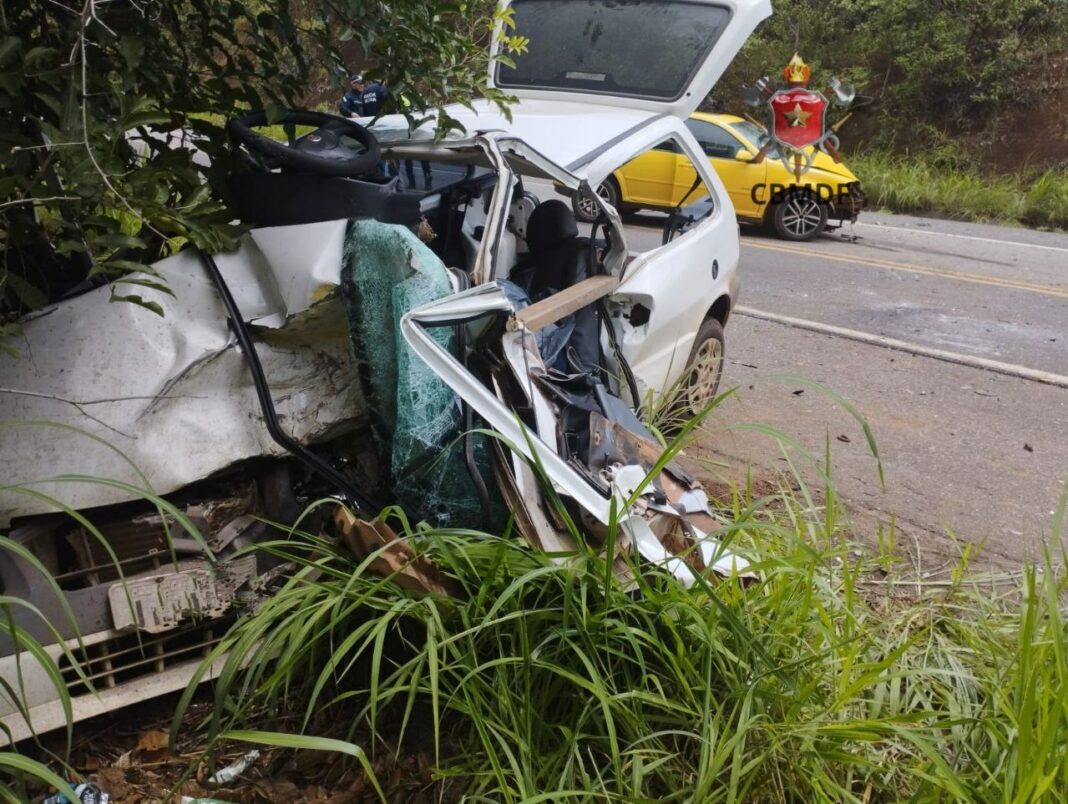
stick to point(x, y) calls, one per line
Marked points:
point(919, 184)
point(834, 677)
point(549, 681)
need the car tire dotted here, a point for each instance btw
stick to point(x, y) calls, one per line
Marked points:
point(700, 382)
point(799, 217)
point(586, 211)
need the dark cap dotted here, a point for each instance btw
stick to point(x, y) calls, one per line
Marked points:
point(356, 78)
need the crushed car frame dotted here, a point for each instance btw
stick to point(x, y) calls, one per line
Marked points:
point(367, 331)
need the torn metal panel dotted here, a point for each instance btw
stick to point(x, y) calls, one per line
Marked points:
point(628, 494)
point(114, 391)
point(300, 276)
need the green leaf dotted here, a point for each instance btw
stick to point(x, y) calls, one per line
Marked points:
point(36, 55)
point(140, 301)
point(26, 293)
point(147, 118)
point(8, 48)
point(29, 767)
point(132, 49)
point(309, 743)
point(147, 283)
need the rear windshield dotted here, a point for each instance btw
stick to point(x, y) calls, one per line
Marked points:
point(636, 48)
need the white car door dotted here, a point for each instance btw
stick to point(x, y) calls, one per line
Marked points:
point(668, 290)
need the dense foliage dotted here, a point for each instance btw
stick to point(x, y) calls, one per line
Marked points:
point(94, 179)
point(932, 69)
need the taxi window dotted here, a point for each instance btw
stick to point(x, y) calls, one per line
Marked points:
point(714, 141)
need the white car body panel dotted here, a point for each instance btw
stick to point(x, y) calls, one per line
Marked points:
point(114, 391)
point(675, 282)
point(539, 123)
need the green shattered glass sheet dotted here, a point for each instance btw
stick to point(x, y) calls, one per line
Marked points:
point(416, 417)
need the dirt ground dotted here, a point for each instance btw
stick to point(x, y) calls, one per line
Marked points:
point(126, 753)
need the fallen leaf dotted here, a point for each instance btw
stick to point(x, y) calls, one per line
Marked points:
point(798, 392)
point(153, 740)
point(844, 439)
point(113, 782)
point(274, 789)
point(1028, 448)
point(89, 763)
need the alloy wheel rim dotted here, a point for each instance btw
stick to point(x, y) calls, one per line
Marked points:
point(801, 216)
point(587, 206)
point(705, 377)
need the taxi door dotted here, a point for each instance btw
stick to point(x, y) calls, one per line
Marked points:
point(649, 179)
point(745, 182)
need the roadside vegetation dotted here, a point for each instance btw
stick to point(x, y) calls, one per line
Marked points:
point(832, 678)
point(923, 185)
point(961, 107)
point(840, 674)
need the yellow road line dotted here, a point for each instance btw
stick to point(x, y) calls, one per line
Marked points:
point(1014, 284)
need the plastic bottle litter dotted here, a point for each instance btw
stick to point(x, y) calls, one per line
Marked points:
point(88, 793)
point(229, 774)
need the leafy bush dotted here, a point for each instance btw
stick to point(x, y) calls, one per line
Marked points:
point(930, 68)
point(104, 105)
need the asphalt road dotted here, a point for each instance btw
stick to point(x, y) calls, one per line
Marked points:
point(950, 339)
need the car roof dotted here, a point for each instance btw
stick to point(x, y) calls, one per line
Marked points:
point(716, 117)
point(568, 133)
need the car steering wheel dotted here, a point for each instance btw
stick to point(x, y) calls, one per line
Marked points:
point(323, 151)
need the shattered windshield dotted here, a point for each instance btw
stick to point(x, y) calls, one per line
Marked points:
point(629, 47)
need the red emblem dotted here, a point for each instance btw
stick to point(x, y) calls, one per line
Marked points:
point(797, 117)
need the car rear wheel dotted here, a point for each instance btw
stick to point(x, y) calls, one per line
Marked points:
point(801, 216)
point(585, 208)
point(700, 383)
point(706, 367)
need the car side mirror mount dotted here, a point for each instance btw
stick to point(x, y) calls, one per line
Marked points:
point(744, 155)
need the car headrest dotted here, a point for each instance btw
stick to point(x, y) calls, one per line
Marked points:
point(550, 223)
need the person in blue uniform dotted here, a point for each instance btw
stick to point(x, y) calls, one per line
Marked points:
point(373, 98)
point(351, 103)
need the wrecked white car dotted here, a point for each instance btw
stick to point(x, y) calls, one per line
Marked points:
point(353, 345)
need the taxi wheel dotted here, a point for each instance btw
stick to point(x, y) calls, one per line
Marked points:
point(587, 211)
point(801, 216)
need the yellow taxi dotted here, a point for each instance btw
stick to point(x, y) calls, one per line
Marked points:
point(765, 192)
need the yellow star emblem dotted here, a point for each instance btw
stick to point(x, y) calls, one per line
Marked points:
point(798, 117)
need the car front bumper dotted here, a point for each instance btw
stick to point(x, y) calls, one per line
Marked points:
point(849, 202)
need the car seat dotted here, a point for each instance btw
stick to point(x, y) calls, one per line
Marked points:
point(558, 258)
